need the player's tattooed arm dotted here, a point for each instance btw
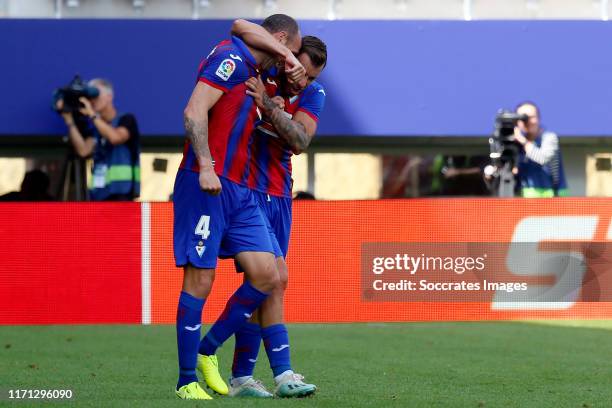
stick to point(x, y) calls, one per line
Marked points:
point(196, 130)
point(292, 131)
point(295, 132)
point(195, 117)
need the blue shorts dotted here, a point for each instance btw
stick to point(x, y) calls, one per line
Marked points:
point(277, 213)
point(208, 227)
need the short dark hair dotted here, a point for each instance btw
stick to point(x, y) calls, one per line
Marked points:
point(281, 22)
point(315, 49)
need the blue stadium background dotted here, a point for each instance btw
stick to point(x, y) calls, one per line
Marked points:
point(385, 78)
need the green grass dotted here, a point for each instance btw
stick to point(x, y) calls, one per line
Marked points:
point(514, 364)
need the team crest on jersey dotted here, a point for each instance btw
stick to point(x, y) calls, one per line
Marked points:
point(200, 248)
point(226, 69)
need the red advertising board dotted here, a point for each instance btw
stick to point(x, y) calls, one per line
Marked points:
point(70, 263)
point(113, 263)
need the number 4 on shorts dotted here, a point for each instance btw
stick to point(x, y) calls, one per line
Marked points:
point(202, 229)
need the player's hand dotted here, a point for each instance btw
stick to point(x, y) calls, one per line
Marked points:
point(209, 181)
point(295, 72)
point(256, 89)
point(87, 108)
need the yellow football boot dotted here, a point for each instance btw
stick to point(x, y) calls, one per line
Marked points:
point(208, 367)
point(192, 391)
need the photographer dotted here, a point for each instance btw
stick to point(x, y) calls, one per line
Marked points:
point(540, 167)
point(114, 145)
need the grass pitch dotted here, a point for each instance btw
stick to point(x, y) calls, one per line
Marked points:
point(509, 364)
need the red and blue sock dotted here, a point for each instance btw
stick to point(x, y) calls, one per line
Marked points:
point(188, 323)
point(248, 340)
point(238, 310)
point(276, 342)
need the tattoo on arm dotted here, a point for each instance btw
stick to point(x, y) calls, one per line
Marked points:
point(293, 132)
point(197, 133)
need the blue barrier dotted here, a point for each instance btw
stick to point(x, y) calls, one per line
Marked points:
point(384, 78)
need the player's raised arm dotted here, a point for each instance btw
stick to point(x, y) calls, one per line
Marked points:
point(195, 117)
point(259, 37)
point(298, 132)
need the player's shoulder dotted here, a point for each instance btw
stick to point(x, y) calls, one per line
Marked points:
point(222, 48)
point(313, 94)
point(233, 49)
point(227, 60)
point(315, 88)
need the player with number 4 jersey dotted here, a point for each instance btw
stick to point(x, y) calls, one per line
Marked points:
point(215, 213)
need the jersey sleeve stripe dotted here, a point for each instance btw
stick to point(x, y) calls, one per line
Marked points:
point(309, 113)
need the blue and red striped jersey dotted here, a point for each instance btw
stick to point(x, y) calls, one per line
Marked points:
point(270, 162)
point(231, 121)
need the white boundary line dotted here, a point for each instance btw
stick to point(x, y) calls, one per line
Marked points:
point(145, 219)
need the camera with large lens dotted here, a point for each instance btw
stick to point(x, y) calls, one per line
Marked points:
point(504, 153)
point(502, 144)
point(71, 94)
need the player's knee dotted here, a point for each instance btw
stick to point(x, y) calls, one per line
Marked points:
point(277, 287)
point(204, 281)
point(282, 284)
point(279, 290)
point(198, 282)
point(268, 277)
point(269, 283)
point(283, 277)
point(260, 270)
